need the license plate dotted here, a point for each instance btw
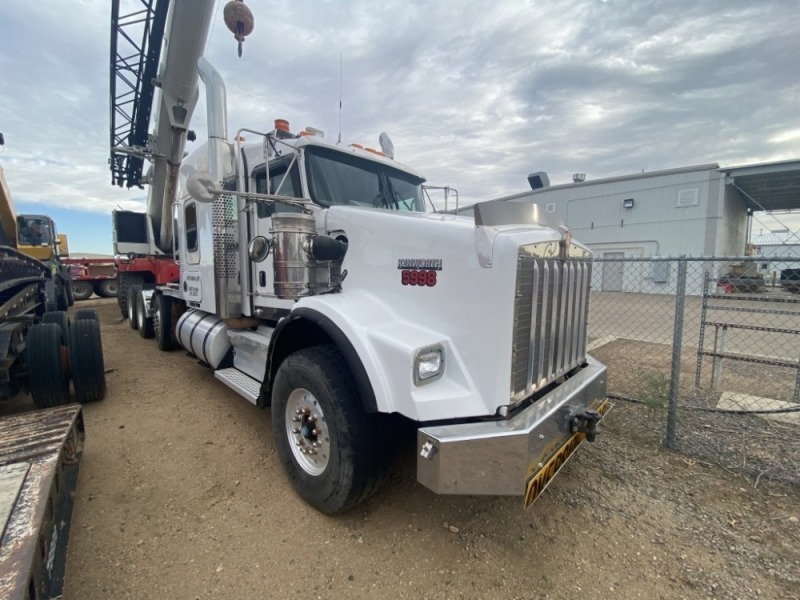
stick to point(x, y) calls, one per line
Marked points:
point(542, 476)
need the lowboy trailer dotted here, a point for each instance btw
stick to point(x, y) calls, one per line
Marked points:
point(39, 457)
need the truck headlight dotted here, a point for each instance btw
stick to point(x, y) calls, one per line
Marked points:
point(428, 364)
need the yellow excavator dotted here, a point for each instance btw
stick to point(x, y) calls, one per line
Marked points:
point(35, 236)
point(40, 349)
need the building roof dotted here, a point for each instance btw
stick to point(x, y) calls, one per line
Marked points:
point(768, 186)
point(776, 238)
point(632, 176)
point(763, 187)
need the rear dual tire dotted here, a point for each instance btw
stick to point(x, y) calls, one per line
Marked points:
point(143, 323)
point(107, 288)
point(163, 326)
point(82, 290)
point(125, 281)
point(134, 291)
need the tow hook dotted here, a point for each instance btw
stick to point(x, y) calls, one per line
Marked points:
point(586, 422)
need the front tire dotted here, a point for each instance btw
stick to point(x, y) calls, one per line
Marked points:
point(334, 453)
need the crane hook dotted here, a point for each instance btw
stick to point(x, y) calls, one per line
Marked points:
point(239, 20)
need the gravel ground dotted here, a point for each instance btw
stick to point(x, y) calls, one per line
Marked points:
point(180, 495)
point(753, 446)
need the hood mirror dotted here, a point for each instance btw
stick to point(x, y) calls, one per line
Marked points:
point(258, 248)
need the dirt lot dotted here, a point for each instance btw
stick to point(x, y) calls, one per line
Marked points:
point(181, 495)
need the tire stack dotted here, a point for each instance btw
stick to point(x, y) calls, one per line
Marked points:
point(58, 350)
point(124, 282)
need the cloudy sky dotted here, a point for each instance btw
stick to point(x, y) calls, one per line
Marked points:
point(475, 95)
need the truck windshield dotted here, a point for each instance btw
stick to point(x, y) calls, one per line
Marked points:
point(338, 178)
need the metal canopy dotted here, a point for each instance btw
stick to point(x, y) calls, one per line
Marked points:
point(768, 186)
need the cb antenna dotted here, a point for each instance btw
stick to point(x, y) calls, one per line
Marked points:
point(339, 139)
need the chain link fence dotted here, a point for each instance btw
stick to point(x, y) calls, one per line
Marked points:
point(705, 352)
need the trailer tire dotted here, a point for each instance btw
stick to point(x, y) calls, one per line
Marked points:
point(124, 281)
point(70, 294)
point(134, 291)
point(85, 313)
point(62, 297)
point(86, 361)
point(163, 325)
point(143, 323)
point(60, 318)
point(353, 455)
point(82, 290)
point(107, 288)
point(45, 355)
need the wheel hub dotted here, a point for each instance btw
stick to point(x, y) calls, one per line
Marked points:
point(307, 432)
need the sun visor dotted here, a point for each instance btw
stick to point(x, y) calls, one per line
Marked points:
point(503, 212)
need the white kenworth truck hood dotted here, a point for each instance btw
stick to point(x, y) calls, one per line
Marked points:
point(506, 305)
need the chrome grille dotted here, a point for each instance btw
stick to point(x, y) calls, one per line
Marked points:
point(550, 312)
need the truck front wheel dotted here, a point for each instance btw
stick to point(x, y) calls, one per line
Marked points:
point(334, 453)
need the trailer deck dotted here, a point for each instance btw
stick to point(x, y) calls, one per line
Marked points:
point(39, 458)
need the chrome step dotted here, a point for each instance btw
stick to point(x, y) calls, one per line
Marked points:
point(240, 383)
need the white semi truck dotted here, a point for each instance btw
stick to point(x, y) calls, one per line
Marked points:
point(315, 283)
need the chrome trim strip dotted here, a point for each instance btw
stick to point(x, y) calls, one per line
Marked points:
point(532, 351)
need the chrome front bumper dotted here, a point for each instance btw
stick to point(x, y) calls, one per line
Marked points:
point(498, 457)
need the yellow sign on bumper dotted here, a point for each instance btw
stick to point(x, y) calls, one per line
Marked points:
point(544, 474)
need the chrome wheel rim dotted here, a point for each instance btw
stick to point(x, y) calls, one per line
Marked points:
point(140, 318)
point(307, 432)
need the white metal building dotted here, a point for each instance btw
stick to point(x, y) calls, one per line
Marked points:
point(776, 250)
point(702, 210)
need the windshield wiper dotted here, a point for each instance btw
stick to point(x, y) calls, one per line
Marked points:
point(383, 200)
point(396, 197)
